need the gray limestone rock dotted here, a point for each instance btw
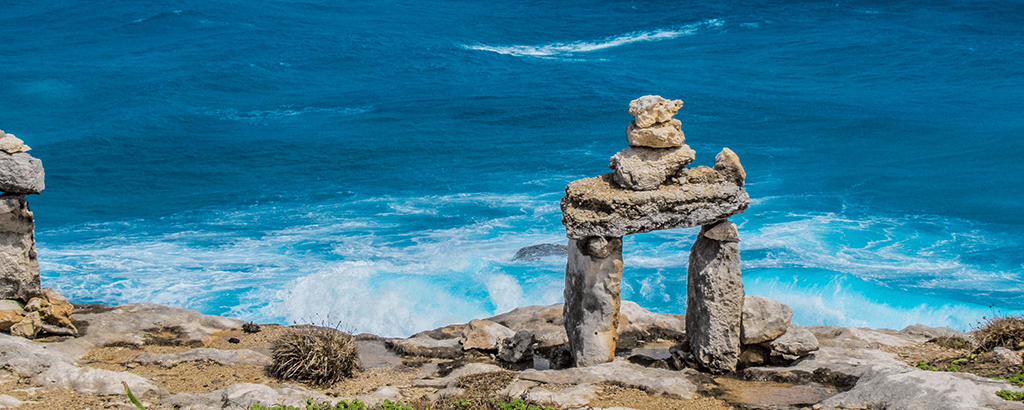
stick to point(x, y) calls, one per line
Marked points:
point(21, 173)
point(591, 315)
point(516, 348)
point(723, 231)
point(11, 144)
point(535, 252)
point(545, 322)
point(620, 372)
point(652, 109)
point(797, 342)
point(426, 346)
point(19, 267)
point(600, 207)
point(728, 164)
point(714, 303)
point(666, 134)
point(484, 335)
point(11, 313)
point(223, 357)
point(645, 169)
point(763, 319)
point(881, 380)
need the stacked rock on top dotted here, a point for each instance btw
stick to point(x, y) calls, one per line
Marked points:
point(20, 173)
point(657, 148)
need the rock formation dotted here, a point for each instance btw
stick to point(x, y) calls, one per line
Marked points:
point(26, 308)
point(591, 313)
point(649, 189)
point(714, 299)
point(20, 174)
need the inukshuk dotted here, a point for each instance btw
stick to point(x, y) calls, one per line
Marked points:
point(649, 189)
point(20, 174)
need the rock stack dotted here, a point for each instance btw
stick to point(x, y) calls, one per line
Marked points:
point(26, 309)
point(20, 175)
point(649, 189)
point(657, 149)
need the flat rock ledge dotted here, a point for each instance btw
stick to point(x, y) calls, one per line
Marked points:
point(851, 370)
point(598, 206)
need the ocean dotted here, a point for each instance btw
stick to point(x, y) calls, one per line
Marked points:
point(375, 165)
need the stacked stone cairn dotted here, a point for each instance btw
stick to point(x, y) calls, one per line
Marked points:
point(26, 309)
point(650, 189)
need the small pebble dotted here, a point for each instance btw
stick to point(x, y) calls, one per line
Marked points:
point(234, 340)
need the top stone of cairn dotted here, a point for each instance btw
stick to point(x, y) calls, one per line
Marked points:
point(652, 109)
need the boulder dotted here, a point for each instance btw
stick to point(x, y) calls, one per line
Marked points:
point(28, 327)
point(763, 319)
point(11, 144)
point(652, 109)
point(797, 342)
point(53, 308)
point(714, 303)
point(668, 134)
point(19, 268)
point(426, 346)
point(517, 348)
point(545, 322)
point(484, 335)
point(645, 169)
point(535, 252)
point(600, 207)
point(20, 173)
point(11, 313)
point(591, 314)
point(728, 164)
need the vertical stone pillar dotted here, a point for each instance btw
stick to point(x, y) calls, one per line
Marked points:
point(714, 297)
point(19, 268)
point(591, 312)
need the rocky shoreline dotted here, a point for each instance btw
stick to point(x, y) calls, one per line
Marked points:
point(180, 359)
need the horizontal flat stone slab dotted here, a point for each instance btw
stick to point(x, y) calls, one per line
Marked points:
point(600, 207)
point(21, 173)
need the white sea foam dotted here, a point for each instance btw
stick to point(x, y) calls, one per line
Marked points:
point(233, 114)
point(578, 47)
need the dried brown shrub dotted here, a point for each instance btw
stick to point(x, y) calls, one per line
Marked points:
point(320, 356)
point(1005, 331)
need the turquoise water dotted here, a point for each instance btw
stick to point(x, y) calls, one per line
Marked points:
point(380, 163)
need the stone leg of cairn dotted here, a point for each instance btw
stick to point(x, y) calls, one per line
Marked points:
point(714, 297)
point(591, 312)
point(19, 268)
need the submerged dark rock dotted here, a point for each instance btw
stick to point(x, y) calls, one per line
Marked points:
point(535, 252)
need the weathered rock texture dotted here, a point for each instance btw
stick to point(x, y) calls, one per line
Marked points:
point(600, 207)
point(651, 109)
point(592, 301)
point(764, 319)
point(484, 335)
point(666, 134)
point(19, 268)
point(645, 169)
point(714, 302)
point(21, 173)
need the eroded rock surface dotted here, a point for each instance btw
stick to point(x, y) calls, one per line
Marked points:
point(652, 109)
point(598, 206)
point(591, 314)
point(19, 266)
point(764, 319)
point(21, 173)
point(714, 302)
point(645, 169)
point(668, 134)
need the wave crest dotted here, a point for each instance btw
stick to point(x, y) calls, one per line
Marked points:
point(554, 50)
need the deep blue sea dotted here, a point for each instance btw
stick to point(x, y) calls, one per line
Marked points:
point(376, 164)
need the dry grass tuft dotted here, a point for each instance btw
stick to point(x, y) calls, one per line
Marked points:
point(316, 355)
point(1007, 331)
